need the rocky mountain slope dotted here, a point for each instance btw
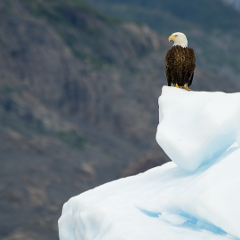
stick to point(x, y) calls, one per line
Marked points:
point(235, 3)
point(78, 107)
point(212, 28)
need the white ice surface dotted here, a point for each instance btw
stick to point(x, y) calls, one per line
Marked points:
point(163, 203)
point(195, 127)
point(168, 202)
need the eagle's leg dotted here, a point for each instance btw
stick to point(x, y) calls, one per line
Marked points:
point(186, 87)
point(178, 86)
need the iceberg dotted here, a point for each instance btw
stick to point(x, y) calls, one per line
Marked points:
point(194, 197)
point(196, 127)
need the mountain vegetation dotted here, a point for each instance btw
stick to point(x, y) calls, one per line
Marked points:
point(212, 28)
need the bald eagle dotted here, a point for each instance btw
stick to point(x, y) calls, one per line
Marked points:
point(180, 62)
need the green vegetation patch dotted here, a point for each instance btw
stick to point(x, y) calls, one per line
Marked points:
point(81, 55)
point(55, 10)
point(75, 22)
point(73, 139)
point(5, 89)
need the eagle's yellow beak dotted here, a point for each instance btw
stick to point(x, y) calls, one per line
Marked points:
point(171, 38)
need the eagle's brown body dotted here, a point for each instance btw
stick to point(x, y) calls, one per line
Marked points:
point(180, 64)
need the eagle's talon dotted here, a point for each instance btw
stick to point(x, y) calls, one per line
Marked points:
point(185, 87)
point(178, 86)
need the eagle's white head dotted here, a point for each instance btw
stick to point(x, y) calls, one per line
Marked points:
point(179, 39)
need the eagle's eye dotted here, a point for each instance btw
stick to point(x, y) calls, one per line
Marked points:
point(175, 35)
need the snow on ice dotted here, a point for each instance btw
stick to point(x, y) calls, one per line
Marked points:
point(196, 196)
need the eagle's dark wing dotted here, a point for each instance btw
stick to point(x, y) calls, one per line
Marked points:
point(168, 67)
point(174, 61)
point(190, 80)
point(190, 64)
point(180, 64)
